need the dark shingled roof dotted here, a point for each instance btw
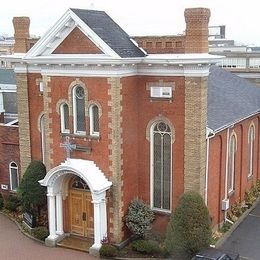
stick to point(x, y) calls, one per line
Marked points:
point(110, 32)
point(7, 76)
point(230, 98)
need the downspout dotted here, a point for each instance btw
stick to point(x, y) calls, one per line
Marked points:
point(209, 134)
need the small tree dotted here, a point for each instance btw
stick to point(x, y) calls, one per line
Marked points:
point(32, 194)
point(139, 218)
point(189, 229)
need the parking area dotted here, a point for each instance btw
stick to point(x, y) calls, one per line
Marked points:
point(246, 238)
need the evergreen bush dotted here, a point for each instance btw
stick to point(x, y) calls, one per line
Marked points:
point(40, 232)
point(1, 201)
point(107, 250)
point(189, 229)
point(32, 194)
point(139, 218)
point(146, 246)
point(12, 203)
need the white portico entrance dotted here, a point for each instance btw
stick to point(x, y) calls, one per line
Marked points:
point(57, 182)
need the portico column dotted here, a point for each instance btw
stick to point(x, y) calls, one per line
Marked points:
point(52, 216)
point(103, 211)
point(97, 225)
point(100, 221)
point(59, 214)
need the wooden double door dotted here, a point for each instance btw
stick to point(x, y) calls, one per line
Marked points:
point(81, 213)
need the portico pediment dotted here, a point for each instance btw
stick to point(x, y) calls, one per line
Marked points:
point(85, 169)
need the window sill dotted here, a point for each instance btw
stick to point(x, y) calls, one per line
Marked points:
point(81, 136)
point(160, 99)
point(162, 212)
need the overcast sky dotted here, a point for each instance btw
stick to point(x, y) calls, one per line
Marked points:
point(141, 17)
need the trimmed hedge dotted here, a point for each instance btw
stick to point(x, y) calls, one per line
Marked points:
point(145, 246)
point(108, 250)
point(32, 194)
point(12, 203)
point(1, 201)
point(189, 229)
point(40, 232)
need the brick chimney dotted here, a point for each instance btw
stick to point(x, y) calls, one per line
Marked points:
point(21, 34)
point(197, 20)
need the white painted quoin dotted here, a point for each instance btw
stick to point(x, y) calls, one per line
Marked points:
point(56, 181)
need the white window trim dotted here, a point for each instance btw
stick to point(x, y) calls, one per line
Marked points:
point(152, 173)
point(75, 118)
point(43, 145)
point(10, 176)
point(251, 146)
point(91, 121)
point(62, 119)
point(232, 188)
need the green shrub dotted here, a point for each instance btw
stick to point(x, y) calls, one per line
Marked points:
point(225, 227)
point(139, 218)
point(145, 246)
point(1, 201)
point(40, 232)
point(12, 203)
point(189, 229)
point(249, 198)
point(237, 209)
point(108, 250)
point(257, 185)
point(32, 194)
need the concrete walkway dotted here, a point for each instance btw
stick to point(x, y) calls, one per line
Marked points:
point(15, 246)
point(245, 240)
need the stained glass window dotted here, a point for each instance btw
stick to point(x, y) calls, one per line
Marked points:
point(161, 166)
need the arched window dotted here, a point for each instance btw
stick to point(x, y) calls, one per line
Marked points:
point(94, 120)
point(231, 162)
point(13, 172)
point(161, 161)
point(79, 109)
point(64, 118)
point(251, 138)
point(43, 144)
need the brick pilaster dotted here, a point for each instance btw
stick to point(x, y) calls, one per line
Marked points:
point(195, 134)
point(48, 123)
point(115, 157)
point(24, 121)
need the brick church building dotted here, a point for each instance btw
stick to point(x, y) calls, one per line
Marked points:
point(113, 120)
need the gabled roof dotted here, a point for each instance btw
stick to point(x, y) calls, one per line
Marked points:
point(110, 32)
point(7, 76)
point(98, 28)
point(230, 99)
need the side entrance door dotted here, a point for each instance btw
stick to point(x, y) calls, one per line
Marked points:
point(81, 213)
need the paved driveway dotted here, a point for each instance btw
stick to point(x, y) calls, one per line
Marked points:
point(15, 246)
point(246, 238)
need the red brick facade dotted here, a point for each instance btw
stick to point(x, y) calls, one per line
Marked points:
point(9, 152)
point(217, 167)
point(135, 112)
point(77, 43)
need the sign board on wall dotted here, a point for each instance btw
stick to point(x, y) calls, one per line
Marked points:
point(29, 219)
point(4, 186)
